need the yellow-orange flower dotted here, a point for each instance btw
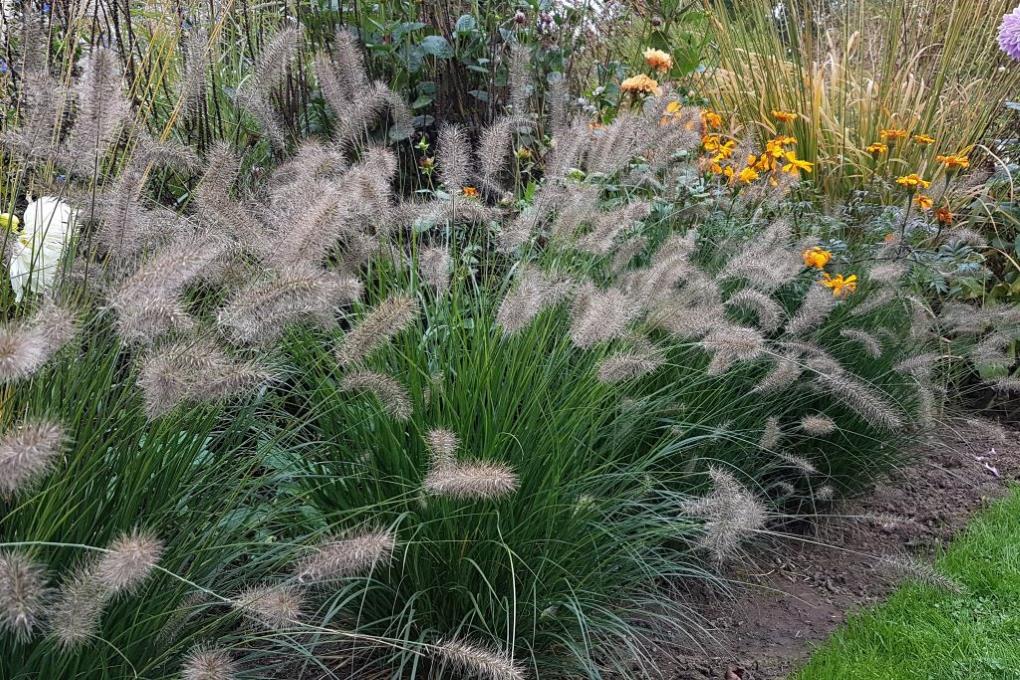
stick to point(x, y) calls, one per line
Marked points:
point(658, 60)
point(672, 111)
point(944, 216)
point(924, 140)
point(640, 84)
point(877, 148)
point(796, 165)
point(711, 119)
point(784, 116)
point(470, 192)
point(748, 175)
point(839, 285)
point(913, 182)
point(892, 135)
point(954, 162)
point(816, 257)
point(924, 202)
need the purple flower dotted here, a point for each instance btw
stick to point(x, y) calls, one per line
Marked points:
point(1009, 34)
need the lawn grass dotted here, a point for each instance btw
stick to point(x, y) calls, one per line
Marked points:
point(924, 632)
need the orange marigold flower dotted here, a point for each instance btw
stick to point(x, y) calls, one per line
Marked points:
point(470, 192)
point(954, 162)
point(913, 182)
point(892, 135)
point(924, 140)
point(640, 84)
point(785, 116)
point(839, 285)
point(748, 175)
point(711, 143)
point(877, 148)
point(672, 111)
point(924, 202)
point(944, 216)
point(816, 257)
point(658, 60)
point(711, 119)
point(796, 165)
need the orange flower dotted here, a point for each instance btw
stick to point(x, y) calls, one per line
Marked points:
point(748, 175)
point(640, 84)
point(672, 111)
point(711, 119)
point(876, 149)
point(470, 192)
point(944, 216)
point(924, 202)
point(892, 135)
point(795, 165)
point(913, 182)
point(785, 116)
point(954, 162)
point(924, 140)
point(816, 257)
point(658, 60)
point(840, 286)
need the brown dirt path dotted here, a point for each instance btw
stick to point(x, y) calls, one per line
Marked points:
point(798, 591)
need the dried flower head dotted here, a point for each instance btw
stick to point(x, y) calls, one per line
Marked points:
point(599, 316)
point(344, 556)
point(272, 607)
point(26, 346)
point(534, 292)
point(208, 663)
point(472, 480)
point(771, 434)
point(872, 347)
point(817, 425)
point(813, 311)
point(442, 446)
point(27, 453)
point(731, 513)
point(642, 360)
point(732, 344)
point(783, 374)
point(769, 312)
point(910, 568)
point(24, 595)
point(76, 613)
point(391, 394)
point(478, 662)
point(434, 266)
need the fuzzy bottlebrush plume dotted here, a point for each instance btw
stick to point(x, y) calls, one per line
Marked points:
point(798, 462)
point(626, 252)
point(24, 595)
point(434, 264)
point(27, 453)
point(868, 342)
point(732, 344)
point(813, 311)
point(128, 561)
point(442, 445)
point(600, 316)
point(873, 302)
point(910, 568)
point(784, 374)
point(572, 146)
point(43, 100)
point(558, 97)
point(475, 661)
point(817, 425)
point(918, 365)
point(534, 292)
point(25, 346)
point(259, 312)
point(607, 226)
point(269, 73)
point(578, 206)
point(643, 359)
point(889, 273)
point(148, 304)
point(494, 151)
point(861, 398)
point(454, 158)
point(770, 435)
point(102, 109)
point(768, 311)
point(388, 319)
point(196, 371)
point(519, 77)
point(1006, 386)
point(203, 662)
point(216, 207)
point(345, 556)
point(270, 607)
point(471, 480)
point(766, 262)
point(731, 513)
point(194, 75)
point(392, 396)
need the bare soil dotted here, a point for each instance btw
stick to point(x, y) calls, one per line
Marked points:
point(796, 590)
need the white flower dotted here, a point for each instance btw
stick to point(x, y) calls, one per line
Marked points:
point(35, 259)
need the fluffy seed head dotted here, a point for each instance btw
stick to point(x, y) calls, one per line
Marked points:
point(817, 305)
point(391, 394)
point(388, 319)
point(870, 344)
point(640, 361)
point(23, 595)
point(768, 311)
point(731, 513)
point(208, 663)
point(442, 445)
point(731, 344)
point(600, 316)
point(478, 662)
point(770, 435)
point(911, 568)
point(271, 607)
point(864, 400)
point(76, 614)
point(802, 464)
point(129, 561)
point(434, 266)
point(27, 345)
point(341, 557)
point(534, 292)
point(27, 453)
point(783, 374)
point(817, 425)
point(471, 480)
